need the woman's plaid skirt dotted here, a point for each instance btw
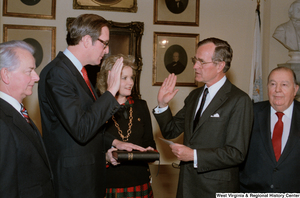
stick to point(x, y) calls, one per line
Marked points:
point(140, 191)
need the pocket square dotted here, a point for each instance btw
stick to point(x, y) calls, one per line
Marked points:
point(216, 115)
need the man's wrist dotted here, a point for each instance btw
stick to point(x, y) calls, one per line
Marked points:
point(158, 109)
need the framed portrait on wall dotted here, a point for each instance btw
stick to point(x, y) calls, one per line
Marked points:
point(172, 53)
point(42, 38)
point(176, 12)
point(108, 5)
point(44, 9)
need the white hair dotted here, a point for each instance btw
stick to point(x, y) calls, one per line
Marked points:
point(8, 57)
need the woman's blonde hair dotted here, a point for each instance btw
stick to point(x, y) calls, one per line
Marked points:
point(107, 65)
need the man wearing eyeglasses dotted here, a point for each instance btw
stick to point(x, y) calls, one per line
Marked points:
point(216, 120)
point(72, 114)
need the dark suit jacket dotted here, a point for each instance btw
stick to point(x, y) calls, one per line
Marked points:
point(24, 166)
point(221, 141)
point(261, 172)
point(72, 129)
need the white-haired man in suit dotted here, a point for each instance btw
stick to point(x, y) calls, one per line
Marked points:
point(25, 169)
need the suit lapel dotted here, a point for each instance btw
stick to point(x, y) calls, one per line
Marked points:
point(294, 136)
point(193, 108)
point(265, 130)
point(32, 133)
point(215, 103)
point(77, 75)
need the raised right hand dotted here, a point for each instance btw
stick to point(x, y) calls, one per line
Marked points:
point(114, 77)
point(167, 91)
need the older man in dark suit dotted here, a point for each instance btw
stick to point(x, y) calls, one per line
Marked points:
point(72, 114)
point(24, 167)
point(216, 120)
point(273, 163)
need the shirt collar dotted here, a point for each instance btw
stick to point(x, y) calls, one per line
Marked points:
point(73, 59)
point(12, 101)
point(288, 112)
point(212, 90)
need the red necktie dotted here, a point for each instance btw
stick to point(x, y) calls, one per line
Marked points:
point(277, 134)
point(86, 79)
point(25, 114)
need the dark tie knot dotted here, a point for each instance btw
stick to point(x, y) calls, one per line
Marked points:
point(205, 91)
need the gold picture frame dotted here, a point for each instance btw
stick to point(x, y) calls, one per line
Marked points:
point(42, 38)
point(124, 38)
point(107, 5)
point(43, 9)
point(166, 46)
point(183, 12)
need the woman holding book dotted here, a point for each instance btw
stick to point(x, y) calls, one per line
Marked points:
point(132, 123)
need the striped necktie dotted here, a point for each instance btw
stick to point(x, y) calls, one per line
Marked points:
point(25, 114)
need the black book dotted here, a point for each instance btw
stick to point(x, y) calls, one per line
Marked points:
point(148, 156)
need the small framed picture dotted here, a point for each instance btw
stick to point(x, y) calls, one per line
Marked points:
point(176, 12)
point(108, 5)
point(43, 9)
point(42, 38)
point(173, 53)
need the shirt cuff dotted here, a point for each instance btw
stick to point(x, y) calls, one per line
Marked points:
point(159, 110)
point(195, 159)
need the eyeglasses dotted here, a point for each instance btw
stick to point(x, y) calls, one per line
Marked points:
point(105, 43)
point(199, 62)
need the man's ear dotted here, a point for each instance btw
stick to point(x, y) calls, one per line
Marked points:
point(221, 66)
point(86, 40)
point(296, 89)
point(4, 75)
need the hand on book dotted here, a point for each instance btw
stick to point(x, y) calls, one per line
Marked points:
point(110, 158)
point(149, 148)
point(127, 146)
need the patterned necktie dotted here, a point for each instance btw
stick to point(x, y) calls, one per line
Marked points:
point(86, 79)
point(277, 134)
point(197, 117)
point(25, 114)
